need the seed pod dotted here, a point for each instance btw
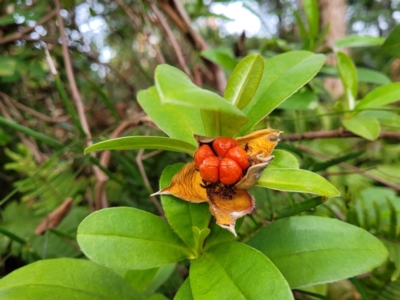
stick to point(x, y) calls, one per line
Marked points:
point(221, 145)
point(209, 169)
point(203, 152)
point(239, 155)
point(229, 171)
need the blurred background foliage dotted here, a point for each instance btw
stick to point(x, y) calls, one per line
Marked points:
point(112, 50)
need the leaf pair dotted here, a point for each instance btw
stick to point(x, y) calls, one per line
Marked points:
point(367, 123)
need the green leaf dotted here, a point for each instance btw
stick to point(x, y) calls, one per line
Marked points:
point(372, 76)
point(8, 65)
point(283, 75)
point(363, 75)
point(185, 291)
point(348, 75)
point(65, 278)
point(232, 270)
point(178, 124)
point(244, 81)
point(156, 297)
point(294, 180)
point(68, 104)
point(222, 57)
point(103, 95)
point(394, 255)
point(304, 99)
point(36, 135)
point(385, 118)
point(129, 238)
point(312, 13)
point(219, 234)
point(392, 43)
point(366, 127)
point(284, 159)
point(7, 19)
point(299, 207)
point(143, 142)
point(359, 41)
point(175, 87)
point(322, 166)
point(380, 96)
point(13, 236)
point(310, 250)
point(162, 275)
point(183, 215)
point(140, 279)
point(300, 24)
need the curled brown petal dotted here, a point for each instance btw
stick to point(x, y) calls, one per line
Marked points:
point(226, 211)
point(254, 172)
point(186, 185)
point(260, 141)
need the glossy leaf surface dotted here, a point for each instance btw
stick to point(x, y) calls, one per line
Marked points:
point(294, 180)
point(185, 291)
point(136, 239)
point(309, 250)
point(359, 41)
point(284, 159)
point(175, 87)
point(304, 99)
point(348, 75)
point(222, 57)
point(385, 118)
point(179, 125)
point(283, 75)
point(392, 43)
point(244, 80)
point(366, 127)
point(380, 96)
point(233, 270)
point(143, 142)
point(312, 13)
point(65, 279)
point(183, 215)
point(372, 76)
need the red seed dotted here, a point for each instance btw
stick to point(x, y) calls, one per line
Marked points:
point(221, 145)
point(229, 171)
point(201, 153)
point(239, 155)
point(209, 169)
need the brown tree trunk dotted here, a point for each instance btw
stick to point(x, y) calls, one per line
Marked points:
point(333, 12)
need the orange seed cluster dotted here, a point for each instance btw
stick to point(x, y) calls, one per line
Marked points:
point(223, 161)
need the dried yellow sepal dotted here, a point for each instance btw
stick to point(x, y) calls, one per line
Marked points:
point(226, 211)
point(261, 141)
point(186, 185)
point(227, 202)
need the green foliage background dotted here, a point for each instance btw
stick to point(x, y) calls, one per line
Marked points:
point(115, 47)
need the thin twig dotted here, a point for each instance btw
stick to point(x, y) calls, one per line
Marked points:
point(55, 217)
point(151, 154)
point(352, 168)
point(106, 155)
point(17, 35)
point(130, 13)
point(34, 112)
point(139, 162)
point(334, 134)
point(101, 178)
point(176, 12)
point(30, 144)
point(171, 38)
point(159, 55)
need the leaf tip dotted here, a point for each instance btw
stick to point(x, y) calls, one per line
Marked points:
point(230, 227)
